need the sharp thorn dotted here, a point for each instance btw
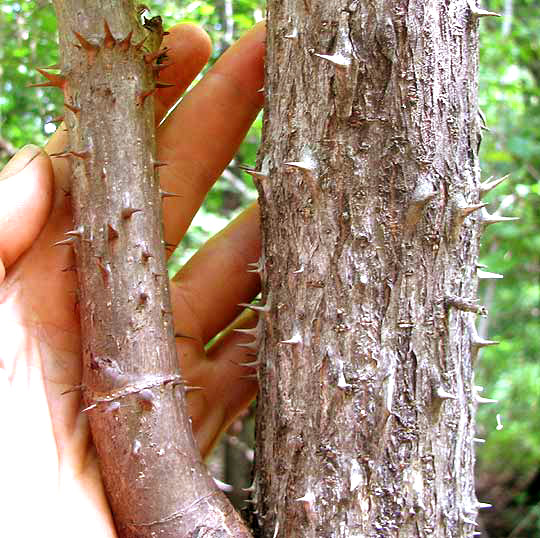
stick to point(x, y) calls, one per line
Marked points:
point(127, 212)
point(91, 50)
point(164, 84)
point(336, 59)
point(250, 345)
point(180, 335)
point(158, 164)
point(256, 308)
point(73, 108)
point(69, 241)
point(57, 81)
point(166, 194)
point(125, 43)
point(490, 184)
point(487, 275)
point(299, 164)
point(108, 41)
point(141, 98)
point(111, 233)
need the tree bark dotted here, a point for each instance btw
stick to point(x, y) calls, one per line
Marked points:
point(369, 187)
point(134, 395)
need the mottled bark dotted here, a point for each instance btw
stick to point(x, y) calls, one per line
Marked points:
point(369, 185)
point(155, 480)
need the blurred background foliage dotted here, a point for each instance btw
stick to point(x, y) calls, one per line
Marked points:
point(508, 470)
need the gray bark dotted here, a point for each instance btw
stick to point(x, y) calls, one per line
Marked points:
point(369, 186)
point(156, 482)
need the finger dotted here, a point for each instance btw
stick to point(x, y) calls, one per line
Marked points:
point(201, 136)
point(210, 286)
point(26, 194)
point(188, 51)
point(189, 48)
point(229, 379)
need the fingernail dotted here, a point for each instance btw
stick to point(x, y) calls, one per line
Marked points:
point(20, 160)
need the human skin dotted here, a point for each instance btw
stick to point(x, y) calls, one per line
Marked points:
point(51, 485)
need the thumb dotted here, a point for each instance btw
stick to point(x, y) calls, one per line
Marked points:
point(26, 193)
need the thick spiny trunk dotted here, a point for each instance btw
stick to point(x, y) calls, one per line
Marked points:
point(369, 185)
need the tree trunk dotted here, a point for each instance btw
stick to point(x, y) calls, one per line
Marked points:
point(155, 479)
point(369, 187)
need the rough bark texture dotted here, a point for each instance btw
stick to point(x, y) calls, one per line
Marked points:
point(370, 193)
point(156, 482)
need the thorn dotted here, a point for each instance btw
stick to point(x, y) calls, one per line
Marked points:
point(466, 305)
point(250, 345)
point(180, 335)
point(478, 440)
point(489, 185)
point(251, 332)
point(69, 241)
point(108, 41)
point(188, 388)
point(104, 269)
point(169, 245)
point(467, 210)
point(57, 119)
point(469, 521)
point(301, 165)
point(255, 174)
point(223, 486)
point(443, 395)
point(476, 340)
point(125, 43)
point(478, 12)
point(70, 268)
point(499, 426)
point(78, 232)
point(299, 271)
point(295, 339)
point(157, 68)
point(481, 505)
point(73, 108)
point(89, 408)
point(145, 256)
point(91, 50)
point(260, 90)
point(111, 233)
point(164, 84)
point(166, 194)
point(151, 56)
point(488, 219)
point(251, 488)
point(486, 275)
point(139, 45)
point(481, 400)
point(336, 59)
point(256, 308)
point(158, 164)
point(252, 364)
point(292, 35)
point(56, 81)
point(141, 98)
point(128, 211)
point(256, 267)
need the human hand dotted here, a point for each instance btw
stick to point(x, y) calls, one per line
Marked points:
point(50, 475)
